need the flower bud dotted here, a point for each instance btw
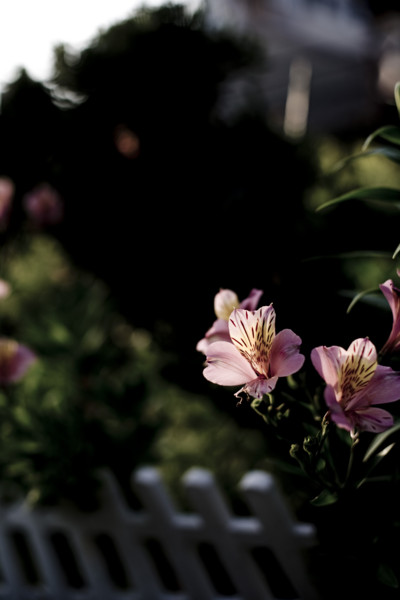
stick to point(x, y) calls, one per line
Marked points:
point(224, 303)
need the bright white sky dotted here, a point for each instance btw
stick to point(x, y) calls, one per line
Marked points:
point(30, 29)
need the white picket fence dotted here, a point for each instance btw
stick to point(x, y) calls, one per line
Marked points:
point(156, 552)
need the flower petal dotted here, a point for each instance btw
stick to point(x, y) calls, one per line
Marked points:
point(252, 333)
point(218, 332)
point(252, 300)
point(392, 295)
point(224, 303)
point(15, 359)
point(226, 366)
point(373, 419)
point(285, 358)
point(384, 387)
point(5, 289)
point(259, 387)
point(327, 361)
point(356, 371)
point(363, 348)
point(337, 413)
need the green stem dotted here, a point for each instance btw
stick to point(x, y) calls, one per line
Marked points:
point(324, 435)
point(356, 439)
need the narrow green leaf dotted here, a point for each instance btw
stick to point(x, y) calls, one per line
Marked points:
point(386, 450)
point(325, 498)
point(395, 253)
point(379, 440)
point(390, 153)
point(391, 133)
point(373, 299)
point(363, 254)
point(397, 96)
point(372, 193)
point(373, 462)
point(360, 296)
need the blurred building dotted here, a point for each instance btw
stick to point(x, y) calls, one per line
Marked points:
point(322, 61)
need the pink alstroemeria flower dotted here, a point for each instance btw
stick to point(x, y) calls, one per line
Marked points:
point(224, 303)
point(5, 289)
point(15, 359)
point(392, 295)
point(355, 382)
point(44, 205)
point(255, 356)
point(7, 190)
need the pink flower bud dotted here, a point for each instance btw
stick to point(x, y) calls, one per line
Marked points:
point(44, 205)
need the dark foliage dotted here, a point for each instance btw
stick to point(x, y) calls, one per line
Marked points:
point(196, 205)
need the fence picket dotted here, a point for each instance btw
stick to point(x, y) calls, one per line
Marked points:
point(190, 541)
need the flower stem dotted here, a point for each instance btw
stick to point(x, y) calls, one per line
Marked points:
point(350, 463)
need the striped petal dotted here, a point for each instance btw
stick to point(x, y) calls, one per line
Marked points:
point(357, 370)
point(392, 295)
point(373, 419)
point(259, 387)
point(252, 300)
point(384, 387)
point(252, 333)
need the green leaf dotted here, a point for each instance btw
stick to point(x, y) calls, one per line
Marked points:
point(369, 297)
point(325, 498)
point(397, 96)
point(379, 194)
point(363, 254)
point(390, 133)
point(379, 440)
point(360, 296)
point(395, 253)
point(392, 154)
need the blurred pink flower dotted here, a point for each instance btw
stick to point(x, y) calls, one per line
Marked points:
point(224, 303)
point(392, 295)
point(5, 289)
point(255, 356)
point(355, 382)
point(44, 205)
point(15, 359)
point(127, 142)
point(7, 189)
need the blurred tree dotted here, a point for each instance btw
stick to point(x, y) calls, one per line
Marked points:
point(164, 200)
point(175, 218)
point(167, 201)
point(29, 133)
point(381, 7)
